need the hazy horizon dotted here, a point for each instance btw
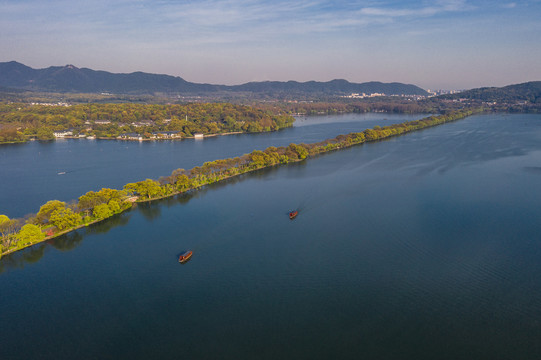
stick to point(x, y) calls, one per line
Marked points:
point(447, 44)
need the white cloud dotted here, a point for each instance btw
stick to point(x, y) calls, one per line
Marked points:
point(442, 6)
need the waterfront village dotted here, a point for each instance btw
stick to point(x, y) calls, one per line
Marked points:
point(431, 93)
point(156, 135)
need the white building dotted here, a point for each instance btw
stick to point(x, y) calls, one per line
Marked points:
point(62, 134)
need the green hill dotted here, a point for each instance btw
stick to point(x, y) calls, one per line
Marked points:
point(525, 92)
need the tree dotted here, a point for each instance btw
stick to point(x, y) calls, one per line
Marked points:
point(91, 199)
point(102, 211)
point(303, 153)
point(45, 133)
point(29, 233)
point(114, 205)
point(371, 134)
point(11, 135)
point(3, 220)
point(7, 226)
point(110, 194)
point(184, 183)
point(46, 210)
point(259, 158)
point(298, 151)
point(65, 218)
point(148, 188)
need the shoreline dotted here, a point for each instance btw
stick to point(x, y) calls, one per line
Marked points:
point(50, 237)
point(174, 139)
point(142, 140)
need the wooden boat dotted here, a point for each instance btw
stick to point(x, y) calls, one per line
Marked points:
point(185, 256)
point(293, 214)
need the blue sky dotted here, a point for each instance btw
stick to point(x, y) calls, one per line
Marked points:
point(449, 44)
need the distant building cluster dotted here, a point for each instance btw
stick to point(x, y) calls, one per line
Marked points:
point(415, 97)
point(155, 135)
point(442, 92)
point(62, 134)
point(363, 95)
point(373, 95)
point(159, 135)
point(51, 104)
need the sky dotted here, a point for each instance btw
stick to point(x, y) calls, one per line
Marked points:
point(443, 44)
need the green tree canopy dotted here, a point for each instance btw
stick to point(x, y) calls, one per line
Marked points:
point(7, 226)
point(64, 218)
point(30, 233)
point(114, 205)
point(148, 188)
point(46, 210)
point(45, 133)
point(101, 211)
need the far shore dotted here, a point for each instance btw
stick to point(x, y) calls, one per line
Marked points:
point(116, 138)
point(159, 139)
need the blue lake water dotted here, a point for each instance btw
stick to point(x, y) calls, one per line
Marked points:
point(34, 173)
point(424, 246)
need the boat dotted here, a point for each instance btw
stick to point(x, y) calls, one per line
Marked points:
point(293, 214)
point(185, 256)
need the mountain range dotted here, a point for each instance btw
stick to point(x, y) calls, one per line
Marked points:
point(71, 79)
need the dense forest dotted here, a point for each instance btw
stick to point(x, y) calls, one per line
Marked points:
point(57, 217)
point(19, 121)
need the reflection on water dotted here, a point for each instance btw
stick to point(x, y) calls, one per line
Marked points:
point(67, 242)
point(105, 226)
point(18, 259)
point(149, 211)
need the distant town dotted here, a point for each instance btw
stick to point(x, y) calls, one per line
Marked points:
point(432, 93)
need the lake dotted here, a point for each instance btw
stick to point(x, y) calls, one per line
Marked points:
point(423, 246)
point(36, 172)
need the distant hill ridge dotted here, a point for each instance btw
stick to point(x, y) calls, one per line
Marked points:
point(529, 91)
point(70, 78)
